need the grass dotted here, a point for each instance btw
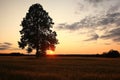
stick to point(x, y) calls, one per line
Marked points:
point(59, 68)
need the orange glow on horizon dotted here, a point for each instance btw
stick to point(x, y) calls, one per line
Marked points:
point(50, 52)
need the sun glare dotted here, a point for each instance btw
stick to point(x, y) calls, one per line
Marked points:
point(50, 52)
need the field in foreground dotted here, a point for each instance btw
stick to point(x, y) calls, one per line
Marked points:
point(59, 68)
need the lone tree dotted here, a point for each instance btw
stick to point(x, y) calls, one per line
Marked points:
point(36, 31)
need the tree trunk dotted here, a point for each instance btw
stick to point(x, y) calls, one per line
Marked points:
point(37, 53)
point(37, 43)
point(43, 53)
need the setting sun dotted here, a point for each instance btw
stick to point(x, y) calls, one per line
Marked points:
point(50, 52)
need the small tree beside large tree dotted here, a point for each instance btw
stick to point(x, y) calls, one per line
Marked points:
point(36, 31)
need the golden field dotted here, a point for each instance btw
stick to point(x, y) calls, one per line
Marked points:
point(59, 68)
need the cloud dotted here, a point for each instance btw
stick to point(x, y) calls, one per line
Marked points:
point(87, 22)
point(102, 15)
point(117, 39)
point(93, 37)
point(112, 18)
point(5, 46)
point(74, 26)
point(93, 22)
point(104, 22)
point(113, 34)
point(7, 43)
point(95, 2)
point(115, 6)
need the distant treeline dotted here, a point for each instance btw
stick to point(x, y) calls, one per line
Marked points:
point(13, 54)
point(112, 54)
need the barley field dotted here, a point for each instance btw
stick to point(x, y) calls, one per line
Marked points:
point(59, 68)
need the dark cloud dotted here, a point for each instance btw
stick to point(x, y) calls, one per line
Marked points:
point(94, 1)
point(5, 46)
point(113, 34)
point(100, 20)
point(114, 8)
point(107, 21)
point(87, 22)
point(93, 37)
point(113, 18)
point(74, 26)
point(93, 22)
point(7, 43)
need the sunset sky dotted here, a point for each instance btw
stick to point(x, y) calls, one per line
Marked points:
point(83, 26)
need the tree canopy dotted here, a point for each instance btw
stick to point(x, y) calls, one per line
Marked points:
point(36, 31)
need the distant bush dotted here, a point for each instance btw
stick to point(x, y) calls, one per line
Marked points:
point(12, 54)
point(16, 54)
point(112, 53)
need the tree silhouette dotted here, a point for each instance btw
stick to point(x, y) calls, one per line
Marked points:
point(111, 53)
point(36, 31)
